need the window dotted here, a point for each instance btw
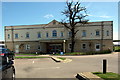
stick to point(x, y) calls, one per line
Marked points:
point(16, 36)
point(8, 36)
point(38, 47)
point(97, 47)
point(107, 33)
point(69, 46)
point(47, 35)
point(84, 46)
point(84, 33)
point(27, 47)
point(54, 33)
point(39, 35)
point(97, 33)
point(27, 35)
point(61, 34)
point(70, 33)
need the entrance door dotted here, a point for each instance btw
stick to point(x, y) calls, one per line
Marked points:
point(56, 48)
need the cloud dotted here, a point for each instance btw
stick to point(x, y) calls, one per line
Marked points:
point(48, 16)
point(103, 16)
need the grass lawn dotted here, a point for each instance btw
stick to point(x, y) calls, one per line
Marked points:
point(108, 75)
point(117, 48)
point(61, 58)
point(28, 57)
point(27, 54)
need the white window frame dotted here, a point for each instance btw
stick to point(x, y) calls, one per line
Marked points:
point(27, 35)
point(39, 35)
point(47, 34)
point(39, 47)
point(84, 33)
point(107, 33)
point(54, 33)
point(85, 46)
point(8, 36)
point(96, 46)
point(16, 35)
point(69, 46)
point(96, 33)
point(27, 47)
point(69, 33)
point(61, 34)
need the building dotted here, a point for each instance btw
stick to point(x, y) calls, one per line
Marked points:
point(54, 37)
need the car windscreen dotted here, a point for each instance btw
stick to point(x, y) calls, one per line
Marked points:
point(2, 51)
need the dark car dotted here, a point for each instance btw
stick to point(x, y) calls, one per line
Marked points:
point(7, 70)
point(6, 52)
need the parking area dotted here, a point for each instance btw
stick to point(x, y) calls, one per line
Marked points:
point(47, 68)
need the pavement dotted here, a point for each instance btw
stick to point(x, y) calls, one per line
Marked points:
point(47, 68)
point(88, 76)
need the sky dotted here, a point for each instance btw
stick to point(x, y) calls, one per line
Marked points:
point(29, 13)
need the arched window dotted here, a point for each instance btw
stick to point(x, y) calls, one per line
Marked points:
point(54, 33)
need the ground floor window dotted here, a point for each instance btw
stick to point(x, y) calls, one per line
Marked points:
point(97, 47)
point(83, 46)
point(69, 46)
point(38, 47)
point(27, 47)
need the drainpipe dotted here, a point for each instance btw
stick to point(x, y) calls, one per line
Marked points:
point(12, 29)
point(102, 34)
point(64, 45)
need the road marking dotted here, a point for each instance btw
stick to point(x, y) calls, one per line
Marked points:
point(33, 61)
point(49, 68)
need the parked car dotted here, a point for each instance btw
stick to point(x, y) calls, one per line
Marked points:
point(7, 70)
point(6, 52)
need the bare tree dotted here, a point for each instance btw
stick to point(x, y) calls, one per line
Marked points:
point(75, 14)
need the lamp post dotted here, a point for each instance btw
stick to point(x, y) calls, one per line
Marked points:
point(64, 45)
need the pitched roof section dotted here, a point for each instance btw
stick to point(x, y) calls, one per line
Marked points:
point(54, 23)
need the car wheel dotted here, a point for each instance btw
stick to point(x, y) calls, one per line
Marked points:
point(7, 59)
point(13, 76)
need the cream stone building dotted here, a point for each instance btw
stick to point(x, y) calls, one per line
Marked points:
point(54, 37)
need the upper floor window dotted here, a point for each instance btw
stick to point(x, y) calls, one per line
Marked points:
point(16, 35)
point(84, 33)
point(27, 35)
point(107, 33)
point(97, 33)
point(54, 33)
point(70, 33)
point(47, 35)
point(62, 34)
point(39, 35)
point(8, 36)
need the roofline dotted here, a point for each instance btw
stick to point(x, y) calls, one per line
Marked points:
point(49, 22)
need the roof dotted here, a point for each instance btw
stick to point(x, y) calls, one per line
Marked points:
point(52, 22)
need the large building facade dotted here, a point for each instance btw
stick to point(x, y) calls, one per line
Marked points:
point(54, 37)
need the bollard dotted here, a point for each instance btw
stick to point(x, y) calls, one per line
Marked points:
point(104, 66)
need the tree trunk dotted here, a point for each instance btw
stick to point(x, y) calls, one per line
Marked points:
point(72, 41)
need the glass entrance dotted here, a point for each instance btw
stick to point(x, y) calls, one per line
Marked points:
point(55, 48)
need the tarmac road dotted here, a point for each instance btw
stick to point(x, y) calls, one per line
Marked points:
point(47, 68)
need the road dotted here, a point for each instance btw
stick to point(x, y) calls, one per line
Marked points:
point(47, 68)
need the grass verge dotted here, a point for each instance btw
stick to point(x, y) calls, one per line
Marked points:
point(108, 75)
point(28, 57)
point(61, 58)
point(27, 54)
